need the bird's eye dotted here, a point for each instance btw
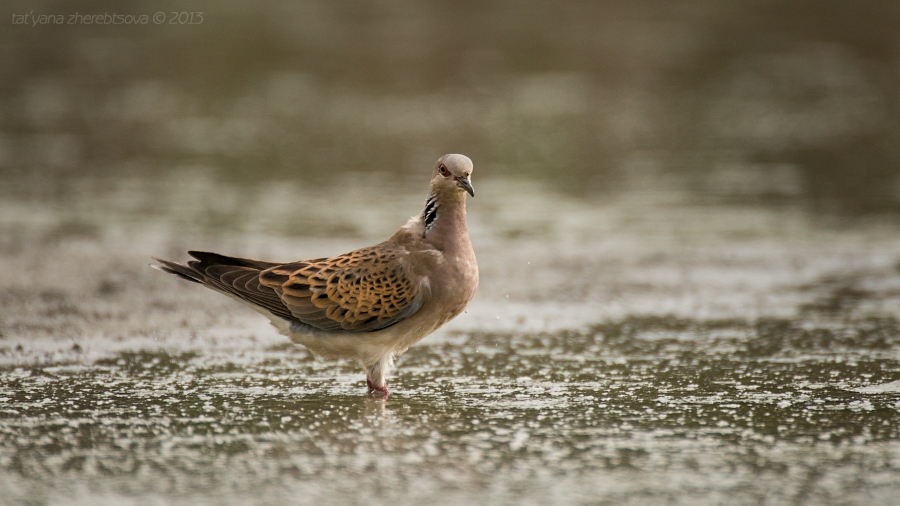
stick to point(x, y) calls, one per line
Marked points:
point(444, 171)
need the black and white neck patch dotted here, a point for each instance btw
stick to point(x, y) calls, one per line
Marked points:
point(430, 214)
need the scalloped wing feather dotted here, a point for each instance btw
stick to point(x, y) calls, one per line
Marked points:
point(361, 291)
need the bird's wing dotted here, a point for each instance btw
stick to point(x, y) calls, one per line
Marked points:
point(361, 291)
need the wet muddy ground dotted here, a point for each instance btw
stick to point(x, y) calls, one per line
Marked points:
point(636, 349)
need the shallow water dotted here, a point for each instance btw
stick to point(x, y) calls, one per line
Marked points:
point(636, 349)
point(658, 410)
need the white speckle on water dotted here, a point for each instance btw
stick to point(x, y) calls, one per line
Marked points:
point(518, 440)
point(884, 388)
point(863, 405)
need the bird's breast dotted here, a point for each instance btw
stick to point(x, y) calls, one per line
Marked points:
point(461, 279)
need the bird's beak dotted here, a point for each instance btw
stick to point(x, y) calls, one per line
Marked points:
point(465, 184)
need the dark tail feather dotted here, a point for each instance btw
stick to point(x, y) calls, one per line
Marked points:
point(179, 270)
point(237, 277)
point(207, 259)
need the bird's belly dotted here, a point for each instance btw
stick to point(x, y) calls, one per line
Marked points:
point(364, 346)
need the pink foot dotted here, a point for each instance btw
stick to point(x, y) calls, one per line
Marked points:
point(377, 391)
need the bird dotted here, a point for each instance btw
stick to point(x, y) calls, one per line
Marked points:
point(370, 304)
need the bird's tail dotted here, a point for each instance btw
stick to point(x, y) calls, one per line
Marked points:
point(182, 271)
point(235, 277)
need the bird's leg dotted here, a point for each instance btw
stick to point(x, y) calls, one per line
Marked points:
point(381, 391)
point(376, 374)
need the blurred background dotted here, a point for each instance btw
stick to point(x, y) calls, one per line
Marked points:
point(754, 102)
point(686, 228)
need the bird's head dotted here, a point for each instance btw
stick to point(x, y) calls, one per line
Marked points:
point(452, 176)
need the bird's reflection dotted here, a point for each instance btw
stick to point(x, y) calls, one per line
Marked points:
point(375, 408)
